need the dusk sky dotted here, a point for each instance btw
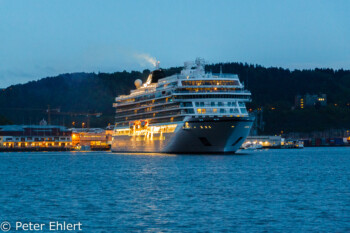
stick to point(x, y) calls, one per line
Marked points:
point(40, 38)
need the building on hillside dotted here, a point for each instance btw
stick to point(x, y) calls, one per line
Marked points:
point(91, 138)
point(302, 101)
point(34, 137)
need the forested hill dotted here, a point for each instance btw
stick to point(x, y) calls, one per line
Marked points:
point(272, 88)
point(70, 93)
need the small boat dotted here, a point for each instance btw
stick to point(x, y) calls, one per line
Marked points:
point(252, 146)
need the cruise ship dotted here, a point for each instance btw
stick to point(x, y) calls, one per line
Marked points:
point(189, 112)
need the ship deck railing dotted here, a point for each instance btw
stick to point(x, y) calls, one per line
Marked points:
point(171, 107)
point(166, 117)
point(138, 93)
point(166, 112)
point(140, 101)
point(161, 103)
point(213, 91)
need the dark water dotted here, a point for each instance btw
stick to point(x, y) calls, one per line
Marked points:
point(272, 190)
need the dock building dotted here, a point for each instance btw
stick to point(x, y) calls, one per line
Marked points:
point(34, 137)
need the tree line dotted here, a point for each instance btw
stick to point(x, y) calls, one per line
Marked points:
point(273, 89)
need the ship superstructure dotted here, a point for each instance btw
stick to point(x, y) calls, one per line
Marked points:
point(190, 112)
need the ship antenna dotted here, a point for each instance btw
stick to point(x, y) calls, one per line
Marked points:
point(157, 65)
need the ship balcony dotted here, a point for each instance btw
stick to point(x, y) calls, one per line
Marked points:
point(144, 110)
point(183, 110)
point(212, 86)
point(244, 92)
point(148, 116)
point(235, 96)
point(230, 76)
point(145, 105)
point(145, 100)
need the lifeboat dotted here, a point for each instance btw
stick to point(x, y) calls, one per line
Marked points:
point(144, 124)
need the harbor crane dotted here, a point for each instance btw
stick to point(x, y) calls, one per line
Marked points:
point(57, 111)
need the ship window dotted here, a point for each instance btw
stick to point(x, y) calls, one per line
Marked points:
point(201, 110)
point(202, 104)
point(229, 104)
point(191, 111)
point(220, 104)
point(215, 110)
point(188, 104)
point(212, 104)
point(197, 104)
point(241, 104)
point(243, 110)
point(222, 110)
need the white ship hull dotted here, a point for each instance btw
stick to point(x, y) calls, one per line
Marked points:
point(207, 135)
